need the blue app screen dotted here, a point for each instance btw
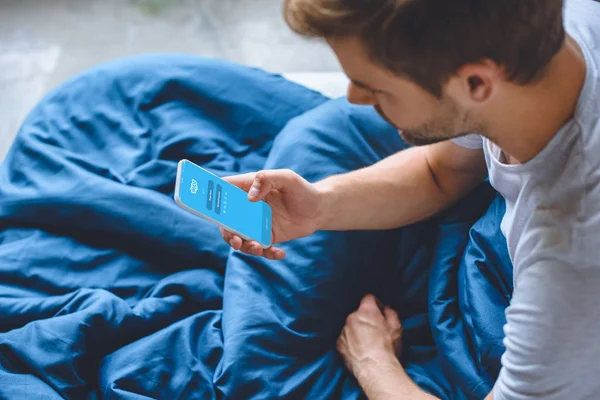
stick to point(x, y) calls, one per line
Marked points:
point(224, 203)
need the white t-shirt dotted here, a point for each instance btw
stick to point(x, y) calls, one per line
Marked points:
point(552, 228)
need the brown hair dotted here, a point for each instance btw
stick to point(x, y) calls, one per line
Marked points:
point(429, 40)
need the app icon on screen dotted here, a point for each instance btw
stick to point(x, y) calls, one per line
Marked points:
point(194, 186)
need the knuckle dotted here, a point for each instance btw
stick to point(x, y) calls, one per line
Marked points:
point(290, 174)
point(351, 319)
point(366, 306)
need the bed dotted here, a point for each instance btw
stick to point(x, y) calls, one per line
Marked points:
point(109, 290)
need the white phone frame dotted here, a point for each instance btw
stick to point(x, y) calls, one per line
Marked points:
point(178, 201)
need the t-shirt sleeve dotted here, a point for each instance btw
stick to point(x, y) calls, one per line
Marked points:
point(472, 141)
point(553, 323)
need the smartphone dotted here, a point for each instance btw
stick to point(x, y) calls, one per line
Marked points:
point(210, 197)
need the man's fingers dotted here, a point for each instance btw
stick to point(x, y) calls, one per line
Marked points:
point(391, 318)
point(380, 304)
point(227, 236)
point(231, 239)
point(368, 301)
point(255, 249)
point(394, 325)
point(236, 242)
point(369, 304)
point(243, 181)
point(252, 248)
point(274, 253)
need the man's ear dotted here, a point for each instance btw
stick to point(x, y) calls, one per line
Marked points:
point(476, 83)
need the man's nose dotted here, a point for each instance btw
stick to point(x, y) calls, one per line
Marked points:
point(360, 96)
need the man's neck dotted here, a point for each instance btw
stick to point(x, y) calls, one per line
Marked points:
point(525, 125)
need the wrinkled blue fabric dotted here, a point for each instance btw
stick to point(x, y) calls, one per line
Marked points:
point(109, 290)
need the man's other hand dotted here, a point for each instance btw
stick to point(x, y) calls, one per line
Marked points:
point(371, 336)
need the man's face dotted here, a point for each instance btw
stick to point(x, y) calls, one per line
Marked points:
point(420, 117)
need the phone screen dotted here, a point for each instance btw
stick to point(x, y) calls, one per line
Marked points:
point(224, 203)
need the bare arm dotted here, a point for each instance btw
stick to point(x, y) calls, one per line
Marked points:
point(388, 382)
point(370, 344)
point(391, 382)
point(402, 189)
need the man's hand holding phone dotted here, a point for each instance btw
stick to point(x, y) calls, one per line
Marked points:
point(297, 207)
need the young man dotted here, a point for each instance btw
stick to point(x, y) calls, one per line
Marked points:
point(439, 70)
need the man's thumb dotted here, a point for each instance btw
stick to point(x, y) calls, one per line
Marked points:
point(243, 181)
point(266, 181)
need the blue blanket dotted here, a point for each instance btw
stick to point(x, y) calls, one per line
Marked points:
point(109, 290)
